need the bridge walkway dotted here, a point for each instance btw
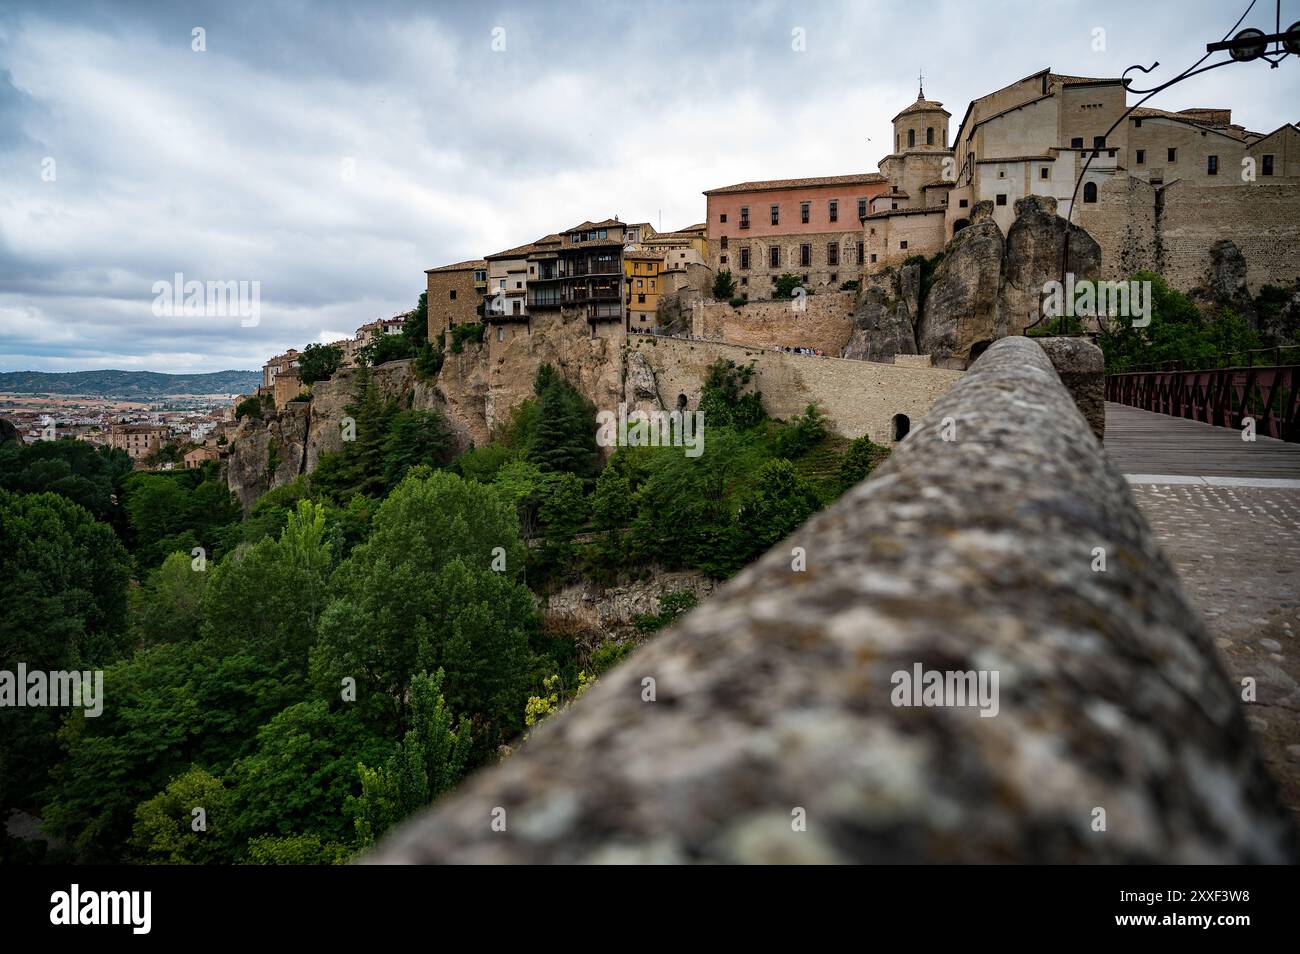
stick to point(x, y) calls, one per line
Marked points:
point(1227, 515)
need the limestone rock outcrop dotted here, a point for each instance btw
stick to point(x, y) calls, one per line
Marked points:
point(885, 315)
point(640, 392)
point(962, 306)
point(1035, 246)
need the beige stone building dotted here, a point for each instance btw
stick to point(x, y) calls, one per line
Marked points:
point(1037, 135)
point(199, 456)
point(138, 440)
point(908, 218)
point(280, 364)
point(455, 295)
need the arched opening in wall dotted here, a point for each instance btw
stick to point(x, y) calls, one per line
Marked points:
point(911, 138)
point(1090, 192)
point(681, 402)
point(929, 136)
point(901, 425)
point(959, 225)
point(978, 348)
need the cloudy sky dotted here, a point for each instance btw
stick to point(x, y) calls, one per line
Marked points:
point(332, 152)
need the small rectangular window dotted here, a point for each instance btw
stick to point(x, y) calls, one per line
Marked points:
point(805, 255)
point(873, 258)
point(774, 256)
point(1267, 165)
point(804, 210)
point(453, 294)
point(1098, 142)
point(963, 203)
point(776, 215)
point(862, 208)
point(744, 258)
point(834, 210)
point(859, 253)
point(722, 217)
point(1042, 173)
point(1212, 165)
point(832, 253)
point(903, 244)
point(724, 241)
point(1172, 156)
point(1076, 142)
point(1141, 156)
point(1002, 198)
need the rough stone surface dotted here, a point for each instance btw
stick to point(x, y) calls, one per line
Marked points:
point(975, 553)
point(1034, 249)
point(1214, 537)
point(885, 315)
point(594, 613)
point(961, 308)
point(1225, 282)
point(640, 392)
point(1081, 367)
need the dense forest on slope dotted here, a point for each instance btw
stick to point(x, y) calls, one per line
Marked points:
point(286, 685)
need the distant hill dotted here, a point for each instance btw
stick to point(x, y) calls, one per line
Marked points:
point(128, 385)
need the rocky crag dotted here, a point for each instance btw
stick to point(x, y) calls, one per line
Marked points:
point(986, 286)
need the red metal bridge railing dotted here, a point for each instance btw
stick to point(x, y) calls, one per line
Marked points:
point(1224, 397)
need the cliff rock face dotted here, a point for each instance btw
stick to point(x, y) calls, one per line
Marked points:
point(1225, 283)
point(1034, 247)
point(595, 613)
point(961, 309)
point(268, 453)
point(885, 316)
point(640, 392)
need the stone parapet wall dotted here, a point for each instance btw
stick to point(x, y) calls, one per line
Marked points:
point(777, 700)
point(858, 397)
point(825, 322)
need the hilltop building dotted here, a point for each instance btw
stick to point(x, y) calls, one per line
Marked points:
point(807, 227)
point(455, 294)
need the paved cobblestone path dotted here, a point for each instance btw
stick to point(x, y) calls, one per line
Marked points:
point(1236, 548)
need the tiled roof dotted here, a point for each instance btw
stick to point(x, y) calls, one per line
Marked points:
point(1063, 80)
point(996, 159)
point(607, 224)
point(923, 105)
point(459, 266)
point(1193, 119)
point(861, 178)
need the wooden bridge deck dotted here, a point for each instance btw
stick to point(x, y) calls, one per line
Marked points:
point(1145, 443)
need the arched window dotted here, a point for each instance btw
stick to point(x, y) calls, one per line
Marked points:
point(911, 138)
point(1090, 192)
point(901, 426)
point(681, 402)
point(929, 136)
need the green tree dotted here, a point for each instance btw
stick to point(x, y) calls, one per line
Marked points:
point(724, 285)
point(723, 401)
point(296, 850)
point(413, 438)
point(82, 472)
point(249, 407)
point(268, 598)
point(421, 594)
point(862, 457)
point(303, 772)
point(170, 707)
point(431, 759)
point(168, 607)
point(168, 832)
point(780, 501)
point(318, 362)
point(565, 438)
point(63, 581)
point(786, 285)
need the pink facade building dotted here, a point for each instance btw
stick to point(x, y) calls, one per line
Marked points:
point(811, 228)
